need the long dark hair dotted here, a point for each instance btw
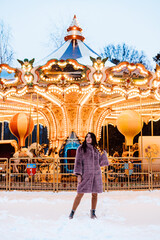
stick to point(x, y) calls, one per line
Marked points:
point(94, 141)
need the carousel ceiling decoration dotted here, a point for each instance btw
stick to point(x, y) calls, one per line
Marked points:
point(61, 72)
point(126, 80)
point(129, 74)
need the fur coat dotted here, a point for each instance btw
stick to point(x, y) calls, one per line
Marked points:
point(87, 164)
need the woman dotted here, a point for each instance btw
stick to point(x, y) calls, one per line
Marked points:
point(87, 169)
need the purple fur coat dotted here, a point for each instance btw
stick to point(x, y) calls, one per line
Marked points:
point(87, 164)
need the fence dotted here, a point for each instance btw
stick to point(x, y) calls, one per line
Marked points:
point(21, 179)
point(3, 173)
point(51, 174)
point(155, 173)
point(129, 173)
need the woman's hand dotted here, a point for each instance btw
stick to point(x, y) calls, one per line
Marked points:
point(79, 178)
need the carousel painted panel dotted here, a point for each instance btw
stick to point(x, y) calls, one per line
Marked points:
point(150, 149)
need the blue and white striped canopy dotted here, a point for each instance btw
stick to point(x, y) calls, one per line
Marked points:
point(77, 51)
point(72, 49)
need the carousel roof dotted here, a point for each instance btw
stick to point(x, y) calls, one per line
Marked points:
point(73, 47)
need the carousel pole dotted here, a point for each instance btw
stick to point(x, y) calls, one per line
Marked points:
point(37, 126)
point(141, 126)
point(93, 115)
point(92, 125)
point(29, 136)
point(128, 164)
point(103, 129)
point(151, 124)
point(152, 133)
point(129, 150)
point(107, 140)
point(2, 132)
point(50, 142)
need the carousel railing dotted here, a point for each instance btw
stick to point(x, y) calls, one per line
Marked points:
point(32, 174)
point(128, 173)
point(155, 173)
point(56, 174)
point(66, 180)
point(4, 174)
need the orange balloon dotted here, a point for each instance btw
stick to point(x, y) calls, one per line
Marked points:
point(129, 124)
point(21, 125)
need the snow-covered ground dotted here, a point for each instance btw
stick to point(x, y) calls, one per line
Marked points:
point(44, 216)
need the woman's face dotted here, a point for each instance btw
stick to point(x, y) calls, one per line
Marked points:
point(88, 138)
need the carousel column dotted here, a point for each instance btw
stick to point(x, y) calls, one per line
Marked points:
point(92, 124)
point(142, 176)
point(30, 135)
point(141, 125)
point(92, 117)
point(107, 140)
point(103, 129)
point(107, 151)
point(2, 132)
point(150, 158)
point(152, 130)
point(49, 129)
point(37, 126)
point(103, 173)
point(107, 135)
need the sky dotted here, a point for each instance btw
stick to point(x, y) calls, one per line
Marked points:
point(103, 22)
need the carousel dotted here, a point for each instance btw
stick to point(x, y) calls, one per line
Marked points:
point(74, 91)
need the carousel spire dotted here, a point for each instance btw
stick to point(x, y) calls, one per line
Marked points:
point(73, 47)
point(74, 31)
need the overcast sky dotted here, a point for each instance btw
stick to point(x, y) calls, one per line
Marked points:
point(103, 22)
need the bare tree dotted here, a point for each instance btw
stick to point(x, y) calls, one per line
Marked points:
point(58, 31)
point(157, 58)
point(57, 36)
point(6, 51)
point(123, 52)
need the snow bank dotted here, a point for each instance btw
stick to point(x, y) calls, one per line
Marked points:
point(44, 216)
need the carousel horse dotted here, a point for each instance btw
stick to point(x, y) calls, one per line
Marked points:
point(19, 166)
point(37, 150)
point(47, 166)
point(21, 158)
point(40, 159)
point(52, 169)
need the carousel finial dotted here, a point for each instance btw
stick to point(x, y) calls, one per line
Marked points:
point(74, 31)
